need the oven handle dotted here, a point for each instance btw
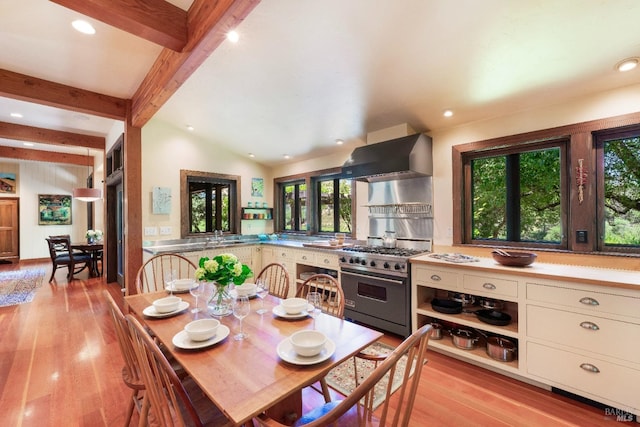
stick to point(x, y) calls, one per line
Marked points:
point(397, 282)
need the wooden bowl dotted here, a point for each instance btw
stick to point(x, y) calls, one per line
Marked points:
point(515, 259)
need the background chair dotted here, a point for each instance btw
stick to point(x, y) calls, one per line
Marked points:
point(329, 287)
point(62, 256)
point(131, 374)
point(350, 412)
point(150, 277)
point(170, 401)
point(276, 275)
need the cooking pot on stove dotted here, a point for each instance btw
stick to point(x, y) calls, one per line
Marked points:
point(389, 239)
point(465, 339)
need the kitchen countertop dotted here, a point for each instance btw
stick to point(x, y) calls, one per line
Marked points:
point(201, 246)
point(618, 278)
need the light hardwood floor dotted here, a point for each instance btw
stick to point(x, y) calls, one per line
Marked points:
point(60, 366)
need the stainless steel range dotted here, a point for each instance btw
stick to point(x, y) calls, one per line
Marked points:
point(377, 286)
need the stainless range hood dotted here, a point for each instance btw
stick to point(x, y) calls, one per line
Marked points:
point(401, 158)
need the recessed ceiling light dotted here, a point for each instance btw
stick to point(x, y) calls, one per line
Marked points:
point(83, 26)
point(252, 155)
point(16, 115)
point(28, 144)
point(286, 156)
point(190, 128)
point(233, 36)
point(627, 64)
point(447, 113)
point(339, 141)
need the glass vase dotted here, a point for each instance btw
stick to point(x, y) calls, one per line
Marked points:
point(220, 303)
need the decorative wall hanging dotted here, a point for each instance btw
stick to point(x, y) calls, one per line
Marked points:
point(54, 209)
point(257, 187)
point(7, 182)
point(161, 200)
point(581, 179)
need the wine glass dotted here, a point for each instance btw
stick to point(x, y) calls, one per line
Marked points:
point(169, 277)
point(197, 290)
point(241, 309)
point(262, 291)
point(314, 299)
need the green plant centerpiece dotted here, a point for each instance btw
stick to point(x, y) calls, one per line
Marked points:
point(222, 270)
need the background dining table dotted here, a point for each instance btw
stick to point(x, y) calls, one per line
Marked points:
point(94, 249)
point(245, 378)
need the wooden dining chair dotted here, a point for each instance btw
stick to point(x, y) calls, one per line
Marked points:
point(171, 402)
point(329, 288)
point(350, 411)
point(150, 277)
point(63, 256)
point(276, 275)
point(131, 374)
point(332, 304)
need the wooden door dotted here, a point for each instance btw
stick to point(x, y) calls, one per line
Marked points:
point(9, 229)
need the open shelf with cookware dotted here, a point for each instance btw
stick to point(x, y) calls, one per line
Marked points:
point(474, 327)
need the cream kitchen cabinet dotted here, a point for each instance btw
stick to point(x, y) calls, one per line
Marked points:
point(577, 328)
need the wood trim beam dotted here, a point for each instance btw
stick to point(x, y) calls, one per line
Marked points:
point(49, 136)
point(155, 20)
point(45, 156)
point(208, 22)
point(31, 89)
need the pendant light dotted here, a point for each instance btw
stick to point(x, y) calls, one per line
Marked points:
point(87, 194)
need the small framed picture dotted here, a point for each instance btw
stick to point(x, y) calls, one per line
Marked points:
point(257, 187)
point(54, 209)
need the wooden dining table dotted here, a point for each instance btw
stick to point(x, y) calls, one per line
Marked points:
point(93, 249)
point(245, 378)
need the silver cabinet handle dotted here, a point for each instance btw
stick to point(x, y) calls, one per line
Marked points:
point(326, 261)
point(589, 301)
point(304, 257)
point(489, 286)
point(590, 325)
point(590, 368)
point(435, 278)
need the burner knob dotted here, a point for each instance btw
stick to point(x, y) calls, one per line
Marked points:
point(386, 265)
point(372, 263)
point(351, 261)
point(343, 259)
point(363, 262)
point(397, 267)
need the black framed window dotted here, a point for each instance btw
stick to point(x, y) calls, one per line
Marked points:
point(334, 201)
point(294, 206)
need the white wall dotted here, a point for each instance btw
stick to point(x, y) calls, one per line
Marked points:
point(167, 149)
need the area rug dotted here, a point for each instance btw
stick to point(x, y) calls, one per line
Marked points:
point(342, 378)
point(19, 287)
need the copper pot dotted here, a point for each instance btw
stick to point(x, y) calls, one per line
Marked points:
point(501, 349)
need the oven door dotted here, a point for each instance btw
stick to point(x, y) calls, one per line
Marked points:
point(385, 298)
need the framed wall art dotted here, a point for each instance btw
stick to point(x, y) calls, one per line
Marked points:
point(8, 182)
point(54, 209)
point(161, 200)
point(257, 187)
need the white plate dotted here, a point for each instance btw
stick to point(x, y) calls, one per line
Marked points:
point(279, 311)
point(234, 294)
point(181, 339)
point(288, 354)
point(180, 290)
point(151, 310)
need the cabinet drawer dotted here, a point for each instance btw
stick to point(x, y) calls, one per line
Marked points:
point(485, 285)
point(441, 279)
point(613, 382)
point(306, 257)
point(590, 333)
point(327, 261)
point(598, 302)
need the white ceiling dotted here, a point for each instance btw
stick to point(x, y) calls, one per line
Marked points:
point(306, 73)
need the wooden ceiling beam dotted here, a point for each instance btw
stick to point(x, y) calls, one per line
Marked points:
point(45, 156)
point(49, 136)
point(155, 20)
point(208, 22)
point(31, 89)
